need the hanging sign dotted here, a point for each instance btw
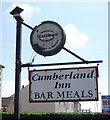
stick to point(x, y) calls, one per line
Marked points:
point(59, 85)
point(48, 38)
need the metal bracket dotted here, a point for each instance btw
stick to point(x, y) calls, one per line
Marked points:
point(54, 64)
point(67, 63)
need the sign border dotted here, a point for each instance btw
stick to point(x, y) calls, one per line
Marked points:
point(97, 74)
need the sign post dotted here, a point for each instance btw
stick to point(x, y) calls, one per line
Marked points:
point(16, 14)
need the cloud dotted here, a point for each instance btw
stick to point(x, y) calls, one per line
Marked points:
point(24, 82)
point(74, 37)
point(28, 10)
point(8, 87)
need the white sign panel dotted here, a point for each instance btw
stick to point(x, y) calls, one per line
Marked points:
point(69, 84)
point(106, 104)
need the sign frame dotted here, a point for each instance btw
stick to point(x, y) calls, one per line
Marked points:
point(71, 100)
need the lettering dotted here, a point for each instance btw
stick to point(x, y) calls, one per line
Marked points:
point(63, 95)
point(46, 35)
point(70, 75)
point(62, 85)
point(69, 94)
point(50, 95)
point(90, 94)
point(90, 75)
point(55, 77)
point(43, 95)
point(83, 94)
point(106, 102)
point(74, 94)
point(36, 95)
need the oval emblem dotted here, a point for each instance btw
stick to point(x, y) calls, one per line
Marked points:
point(48, 38)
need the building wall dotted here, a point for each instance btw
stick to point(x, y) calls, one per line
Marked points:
point(8, 104)
point(64, 107)
point(34, 107)
point(25, 106)
point(77, 107)
point(47, 107)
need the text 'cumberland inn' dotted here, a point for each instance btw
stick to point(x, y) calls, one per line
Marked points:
point(70, 75)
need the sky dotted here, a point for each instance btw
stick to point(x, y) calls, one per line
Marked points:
point(86, 28)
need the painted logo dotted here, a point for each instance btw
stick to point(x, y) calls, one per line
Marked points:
point(46, 35)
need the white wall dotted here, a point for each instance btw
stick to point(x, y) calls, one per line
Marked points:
point(25, 106)
point(34, 107)
point(64, 107)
